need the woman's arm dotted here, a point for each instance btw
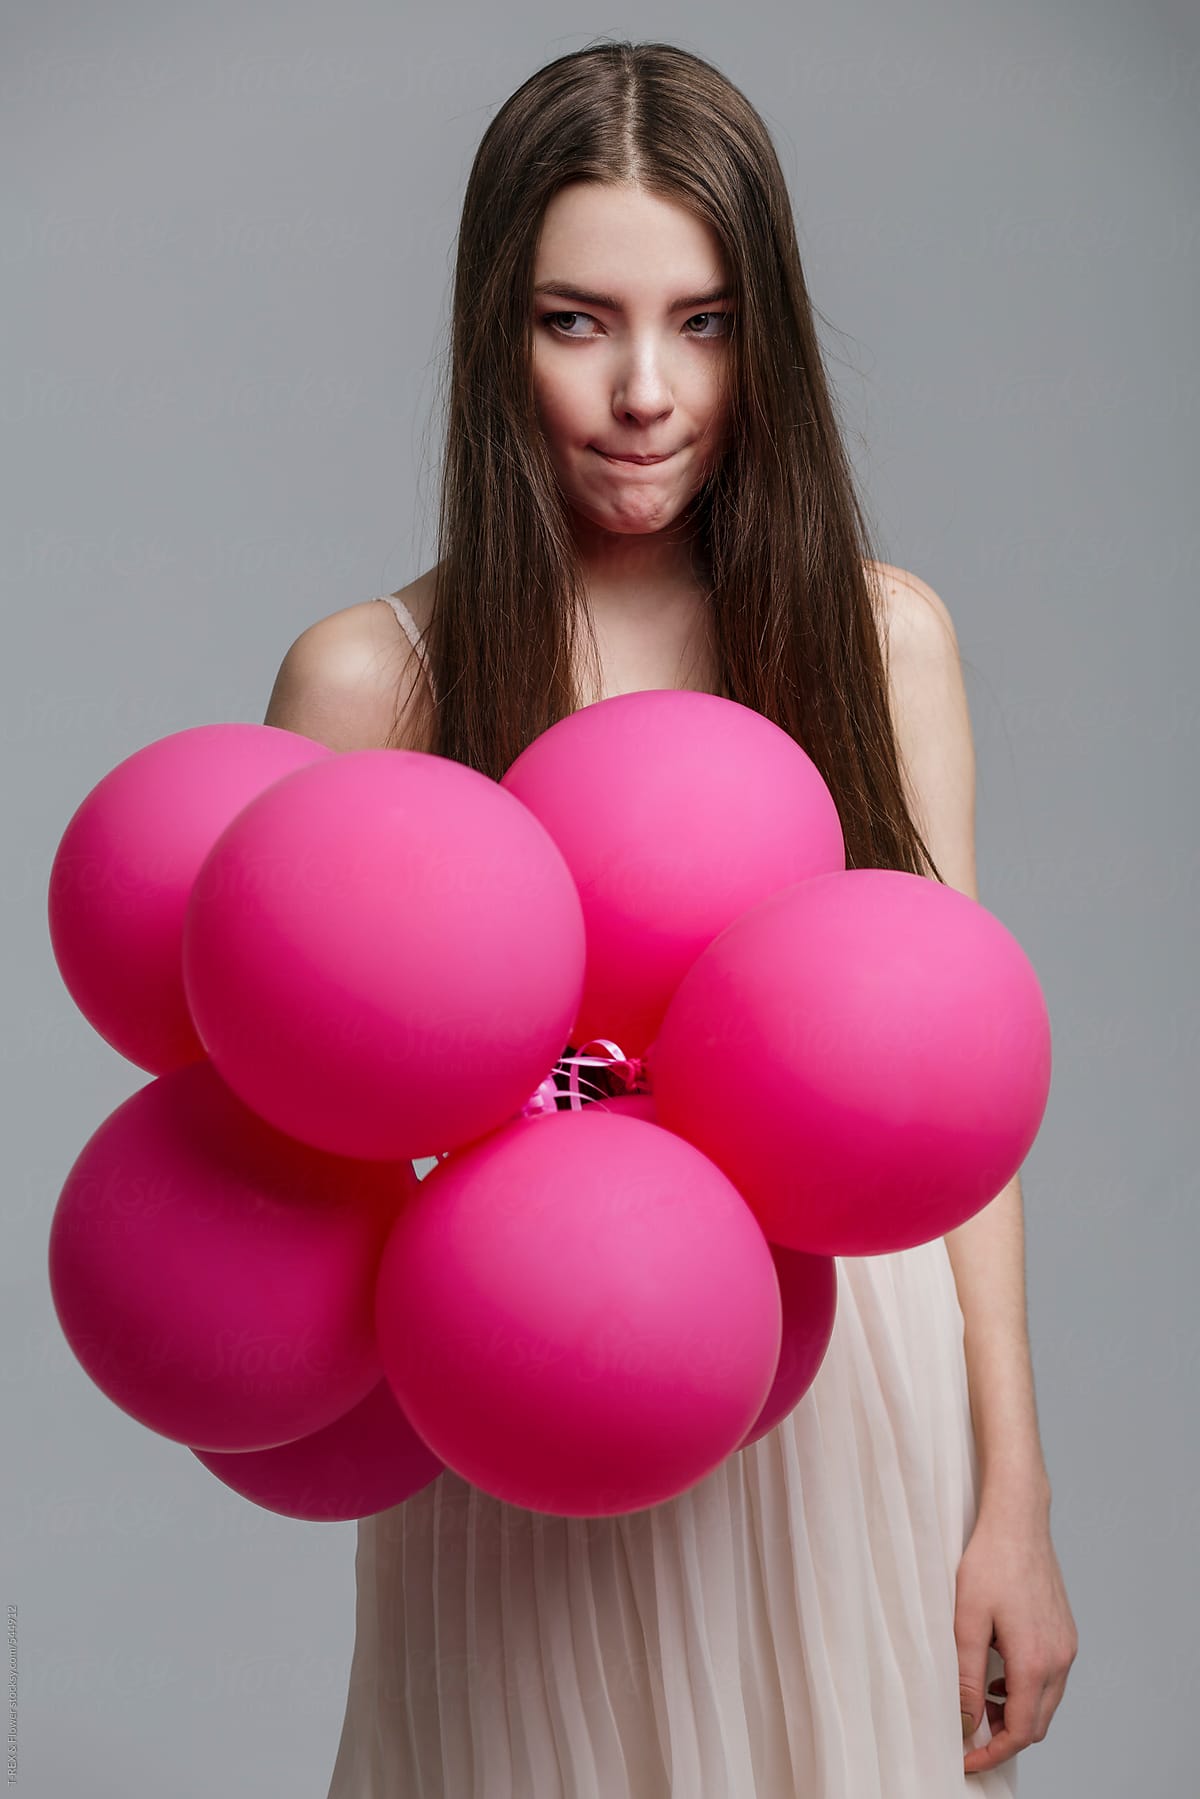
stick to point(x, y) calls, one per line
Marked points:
point(987, 1253)
point(1009, 1588)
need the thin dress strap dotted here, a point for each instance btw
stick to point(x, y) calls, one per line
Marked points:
point(411, 630)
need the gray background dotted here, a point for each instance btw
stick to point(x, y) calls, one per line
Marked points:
point(227, 242)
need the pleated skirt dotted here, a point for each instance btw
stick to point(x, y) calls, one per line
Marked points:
point(782, 1630)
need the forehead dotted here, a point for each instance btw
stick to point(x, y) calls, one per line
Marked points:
point(626, 242)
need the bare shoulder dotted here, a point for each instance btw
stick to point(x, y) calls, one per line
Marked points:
point(912, 608)
point(343, 679)
point(932, 722)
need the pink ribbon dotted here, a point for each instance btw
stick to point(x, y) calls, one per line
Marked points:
point(545, 1096)
point(545, 1099)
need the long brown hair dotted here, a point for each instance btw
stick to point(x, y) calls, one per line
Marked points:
point(781, 542)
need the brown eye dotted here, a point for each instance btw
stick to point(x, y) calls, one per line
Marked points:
point(548, 318)
point(724, 319)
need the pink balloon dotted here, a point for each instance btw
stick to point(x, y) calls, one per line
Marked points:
point(365, 1461)
point(124, 869)
point(214, 1277)
point(808, 1288)
point(675, 811)
point(865, 1054)
point(383, 954)
point(579, 1314)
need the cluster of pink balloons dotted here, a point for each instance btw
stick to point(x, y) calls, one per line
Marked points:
point(334, 964)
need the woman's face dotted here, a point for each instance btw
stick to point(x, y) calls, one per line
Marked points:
point(631, 325)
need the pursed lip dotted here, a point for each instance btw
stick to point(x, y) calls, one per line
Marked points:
point(641, 461)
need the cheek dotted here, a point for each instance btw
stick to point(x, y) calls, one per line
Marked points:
point(564, 395)
point(718, 397)
point(551, 404)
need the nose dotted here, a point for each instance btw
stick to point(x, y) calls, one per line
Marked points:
point(642, 390)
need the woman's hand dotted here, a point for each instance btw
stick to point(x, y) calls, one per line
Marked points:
point(1010, 1592)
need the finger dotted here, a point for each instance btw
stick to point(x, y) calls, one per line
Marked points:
point(972, 1667)
point(999, 1748)
point(1022, 1703)
point(995, 1715)
point(1015, 1733)
point(1051, 1697)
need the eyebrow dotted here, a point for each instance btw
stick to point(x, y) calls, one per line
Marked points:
point(567, 291)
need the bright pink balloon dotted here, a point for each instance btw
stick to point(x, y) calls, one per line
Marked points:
point(865, 1054)
point(808, 1289)
point(365, 1461)
point(124, 869)
point(676, 811)
point(383, 954)
point(579, 1314)
point(214, 1277)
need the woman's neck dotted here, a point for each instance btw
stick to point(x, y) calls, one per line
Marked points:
point(626, 574)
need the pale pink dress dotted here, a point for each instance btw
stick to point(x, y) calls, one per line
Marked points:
point(783, 1630)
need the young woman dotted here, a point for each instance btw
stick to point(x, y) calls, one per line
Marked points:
point(645, 487)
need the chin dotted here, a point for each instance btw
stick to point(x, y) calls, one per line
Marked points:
point(629, 527)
